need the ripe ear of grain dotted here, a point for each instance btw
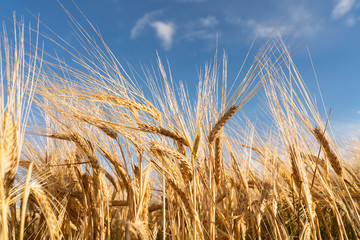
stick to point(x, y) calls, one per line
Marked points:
point(221, 123)
point(218, 160)
point(329, 153)
point(47, 210)
point(9, 150)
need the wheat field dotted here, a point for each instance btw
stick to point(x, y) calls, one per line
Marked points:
point(89, 151)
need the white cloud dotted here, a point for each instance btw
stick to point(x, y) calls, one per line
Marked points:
point(141, 23)
point(298, 21)
point(209, 21)
point(350, 21)
point(261, 29)
point(342, 8)
point(165, 32)
point(199, 34)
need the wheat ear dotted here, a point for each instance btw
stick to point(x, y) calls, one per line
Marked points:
point(99, 124)
point(296, 172)
point(221, 122)
point(88, 149)
point(165, 132)
point(138, 228)
point(46, 209)
point(185, 167)
point(152, 111)
point(9, 151)
point(218, 160)
point(329, 153)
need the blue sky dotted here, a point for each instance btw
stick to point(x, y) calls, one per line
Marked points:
point(185, 32)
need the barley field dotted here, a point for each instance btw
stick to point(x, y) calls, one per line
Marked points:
point(89, 151)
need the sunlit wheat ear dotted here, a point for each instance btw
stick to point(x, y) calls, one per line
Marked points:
point(196, 143)
point(185, 167)
point(102, 126)
point(296, 172)
point(218, 160)
point(301, 182)
point(147, 198)
point(152, 111)
point(317, 160)
point(165, 132)
point(47, 210)
point(88, 149)
point(181, 192)
point(138, 229)
point(329, 153)
point(221, 122)
point(9, 150)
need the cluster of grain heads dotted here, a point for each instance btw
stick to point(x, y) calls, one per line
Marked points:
point(9, 160)
point(19, 70)
point(107, 161)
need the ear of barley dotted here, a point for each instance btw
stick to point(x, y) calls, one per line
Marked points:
point(185, 166)
point(302, 184)
point(152, 111)
point(318, 160)
point(88, 149)
point(196, 144)
point(165, 132)
point(218, 160)
point(119, 170)
point(46, 209)
point(329, 153)
point(185, 200)
point(139, 229)
point(221, 122)
point(60, 136)
point(9, 151)
point(106, 129)
point(146, 203)
point(295, 168)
